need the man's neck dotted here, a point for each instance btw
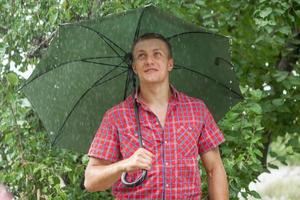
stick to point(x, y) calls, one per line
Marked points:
point(155, 94)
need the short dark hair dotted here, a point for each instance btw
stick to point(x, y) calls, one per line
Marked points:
point(147, 36)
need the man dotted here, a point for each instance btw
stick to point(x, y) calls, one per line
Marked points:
point(175, 130)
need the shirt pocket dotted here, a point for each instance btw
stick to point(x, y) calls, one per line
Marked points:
point(129, 141)
point(187, 139)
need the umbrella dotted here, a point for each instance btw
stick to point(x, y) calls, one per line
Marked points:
point(86, 70)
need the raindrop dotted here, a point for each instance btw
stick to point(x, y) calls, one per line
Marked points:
point(12, 64)
point(232, 128)
point(267, 64)
point(231, 68)
point(294, 87)
point(230, 82)
point(56, 86)
point(267, 88)
point(5, 61)
point(253, 46)
point(295, 73)
point(244, 113)
point(28, 17)
point(284, 92)
point(295, 120)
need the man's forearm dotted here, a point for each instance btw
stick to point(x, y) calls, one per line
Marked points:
point(100, 178)
point(218, 184)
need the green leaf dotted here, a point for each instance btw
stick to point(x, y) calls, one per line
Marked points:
point(12, 78)
point(243, 89)
point(255, 194)
point(285, 30)
point(272, 166)
point(200, 2)
point(254, 107)
point(278, 102)
point(256, 94)
point(264, 13)
point(280, 75)
point(295, 81)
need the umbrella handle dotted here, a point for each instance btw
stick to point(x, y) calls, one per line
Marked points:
point(136, 182)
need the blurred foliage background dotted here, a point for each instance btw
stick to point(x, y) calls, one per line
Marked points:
point(262, 132)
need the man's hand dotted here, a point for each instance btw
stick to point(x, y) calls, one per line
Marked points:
point(140, 159)
point(101, 174)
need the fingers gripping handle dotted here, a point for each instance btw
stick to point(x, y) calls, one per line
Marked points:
point(136, 182)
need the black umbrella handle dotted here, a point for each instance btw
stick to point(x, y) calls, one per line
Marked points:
point(144, 174)
point(134, 183)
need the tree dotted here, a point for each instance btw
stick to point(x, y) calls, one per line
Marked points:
point(265, 54)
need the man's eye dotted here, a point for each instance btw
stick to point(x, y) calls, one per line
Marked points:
point(141, 56)
point(157, 54)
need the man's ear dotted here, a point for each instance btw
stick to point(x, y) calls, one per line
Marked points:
point(170, 64)
point(133, 67)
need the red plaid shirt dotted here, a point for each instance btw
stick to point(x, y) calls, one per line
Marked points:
point(189, 130)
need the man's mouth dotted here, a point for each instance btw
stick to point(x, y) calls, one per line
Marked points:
point(150, 70)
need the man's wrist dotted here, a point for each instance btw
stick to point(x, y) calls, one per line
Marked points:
point(122, 166)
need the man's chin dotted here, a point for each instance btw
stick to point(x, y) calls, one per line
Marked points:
point(151, 81)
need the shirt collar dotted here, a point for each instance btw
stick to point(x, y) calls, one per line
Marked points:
point(173, 98)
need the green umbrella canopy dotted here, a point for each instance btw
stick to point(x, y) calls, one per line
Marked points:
point(84, 71)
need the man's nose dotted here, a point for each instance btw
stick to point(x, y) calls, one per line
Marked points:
point(149, 59)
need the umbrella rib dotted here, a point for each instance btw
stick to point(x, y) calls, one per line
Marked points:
point(126, 85)
point(201, 32)
point(100, 63)
point(210, 78)
point(137, 30)
point(82, 96)
point(116, 76)
point(72, 61)
point(105, 39)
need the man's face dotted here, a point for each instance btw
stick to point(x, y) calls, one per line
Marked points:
point(151, 61)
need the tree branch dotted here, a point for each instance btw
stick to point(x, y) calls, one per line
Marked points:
point(43, 44)
point(266, 150)
point(288, 57)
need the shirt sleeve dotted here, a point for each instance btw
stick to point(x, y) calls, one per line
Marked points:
point(211, 136)
point(106, 143)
